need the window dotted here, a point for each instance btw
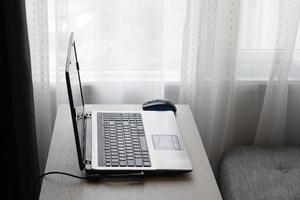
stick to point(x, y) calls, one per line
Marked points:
point(133, 40)
point(259, 22)
point(121, 39)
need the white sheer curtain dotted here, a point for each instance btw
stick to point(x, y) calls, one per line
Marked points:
point(235, 62)
point(128, 50)
point(37, 23)
point(231, 46)
point(272, 122)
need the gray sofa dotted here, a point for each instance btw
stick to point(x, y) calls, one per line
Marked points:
point(255, 173)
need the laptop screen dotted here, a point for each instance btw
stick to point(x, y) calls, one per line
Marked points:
point(75, 98)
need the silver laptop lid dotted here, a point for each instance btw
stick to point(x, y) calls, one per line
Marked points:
point(76, 99)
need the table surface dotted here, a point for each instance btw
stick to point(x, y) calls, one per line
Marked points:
point(199, 184)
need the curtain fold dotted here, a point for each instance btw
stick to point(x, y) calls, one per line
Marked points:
point(222, 39)
point(37, 22)
point(208, 70)
point(272, 121)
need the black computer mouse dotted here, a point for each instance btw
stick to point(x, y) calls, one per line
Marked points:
point(159, 105)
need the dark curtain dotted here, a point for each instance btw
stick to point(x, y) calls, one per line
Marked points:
point(19, 140)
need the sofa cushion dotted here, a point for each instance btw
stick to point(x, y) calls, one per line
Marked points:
point(261, 173)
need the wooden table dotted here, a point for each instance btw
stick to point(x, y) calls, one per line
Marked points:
point(199, 184)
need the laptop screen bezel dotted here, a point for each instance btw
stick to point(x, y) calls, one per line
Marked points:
point(79, 148)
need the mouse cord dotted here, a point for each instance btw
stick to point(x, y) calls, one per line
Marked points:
point(89, 177)
point(54, 172)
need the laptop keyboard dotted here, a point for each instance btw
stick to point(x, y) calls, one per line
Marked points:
point(125, 143)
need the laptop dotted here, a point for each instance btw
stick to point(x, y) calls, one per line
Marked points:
point(122, 142)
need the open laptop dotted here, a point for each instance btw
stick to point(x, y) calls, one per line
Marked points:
point(121, 142)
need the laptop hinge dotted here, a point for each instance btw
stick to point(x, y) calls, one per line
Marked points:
point(88, 139)
point(88, 162)
point(88, 114)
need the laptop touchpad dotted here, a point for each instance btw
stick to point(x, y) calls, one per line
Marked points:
point(166, 142)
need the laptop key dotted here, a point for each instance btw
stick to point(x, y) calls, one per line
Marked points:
point(136, 146)
point(125, 123)
point(147, 164)
point(130, 163)
point(122, 154)
point(123, 163)
point(138, 162)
